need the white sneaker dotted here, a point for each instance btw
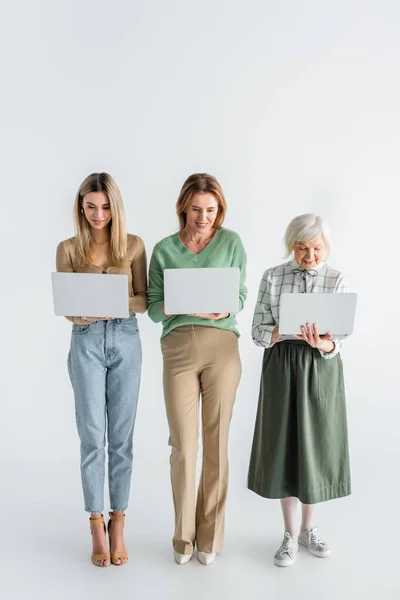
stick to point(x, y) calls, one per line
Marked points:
point(182, 559)
point(286, 554)
point(206, 558)
point(310, 540)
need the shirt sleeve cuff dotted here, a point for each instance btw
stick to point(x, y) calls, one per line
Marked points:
point(333, 353)
point(262, 336)
point(156, 312)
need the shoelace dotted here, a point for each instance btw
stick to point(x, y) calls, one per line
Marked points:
point(315, 540)
point(287, 547)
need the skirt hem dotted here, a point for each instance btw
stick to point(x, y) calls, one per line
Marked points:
point(329, 492)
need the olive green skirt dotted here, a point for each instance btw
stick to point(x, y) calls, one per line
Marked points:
point(300, 444)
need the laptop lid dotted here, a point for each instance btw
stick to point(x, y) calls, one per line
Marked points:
point(90, 295)
point(333, 313)
point(201, 290)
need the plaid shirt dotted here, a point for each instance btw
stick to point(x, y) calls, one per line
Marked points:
point(290, 278)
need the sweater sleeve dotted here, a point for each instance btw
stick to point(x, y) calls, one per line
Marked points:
point(263, 321)
point(64, 265)
point(341, 287)
point(156, 288)
point(138, 301)
point(240, 260)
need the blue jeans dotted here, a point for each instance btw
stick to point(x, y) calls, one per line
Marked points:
point(104, 364)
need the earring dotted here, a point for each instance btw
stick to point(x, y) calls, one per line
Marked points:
point(82, 210)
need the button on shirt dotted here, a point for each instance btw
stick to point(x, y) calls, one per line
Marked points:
point(290, 278)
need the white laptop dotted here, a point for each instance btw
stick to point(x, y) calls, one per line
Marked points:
point(333, 313)
point(90, 295)
point(191, 291)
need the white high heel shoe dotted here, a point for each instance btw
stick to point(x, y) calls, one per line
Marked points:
point(206, 558)
point(182, 559)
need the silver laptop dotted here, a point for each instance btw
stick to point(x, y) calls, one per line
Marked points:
point(191, 291)
point(90, 295)
point(333, 313)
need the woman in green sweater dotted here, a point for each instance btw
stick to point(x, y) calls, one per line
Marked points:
point(201, 357)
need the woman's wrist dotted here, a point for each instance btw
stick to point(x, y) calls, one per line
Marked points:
point(328, 346)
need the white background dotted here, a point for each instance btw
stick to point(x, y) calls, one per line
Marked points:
point(295, 107)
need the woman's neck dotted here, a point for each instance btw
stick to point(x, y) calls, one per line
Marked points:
point(191, 236)
point(100, 237)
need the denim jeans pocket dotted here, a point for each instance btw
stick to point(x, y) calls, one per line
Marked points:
point(80, 329)
point(129, 326)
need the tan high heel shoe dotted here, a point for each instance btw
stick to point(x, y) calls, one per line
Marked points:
point(116, 555)
point(106, 555)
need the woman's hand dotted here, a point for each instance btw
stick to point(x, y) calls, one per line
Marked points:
point(274, 336)
point(211, 316)
point(312, 337)
point(93, 319)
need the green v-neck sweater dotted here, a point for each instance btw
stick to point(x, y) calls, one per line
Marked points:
point(224, 250)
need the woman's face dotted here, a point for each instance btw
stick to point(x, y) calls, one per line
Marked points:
point(97, 210)
point(201, 213)
point(309, 254)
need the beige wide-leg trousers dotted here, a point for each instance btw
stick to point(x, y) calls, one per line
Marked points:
point(199, 361)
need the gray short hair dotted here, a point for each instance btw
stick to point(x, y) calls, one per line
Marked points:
point(306, 228)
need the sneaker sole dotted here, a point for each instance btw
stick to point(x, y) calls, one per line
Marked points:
point(279, 563)
point(320, 555)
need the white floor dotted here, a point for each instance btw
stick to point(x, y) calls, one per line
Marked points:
point(46, 546)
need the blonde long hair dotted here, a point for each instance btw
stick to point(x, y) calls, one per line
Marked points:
point(100, 182)
point(204, 184)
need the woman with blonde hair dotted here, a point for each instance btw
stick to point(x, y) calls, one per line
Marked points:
point(300, 446)
point(105, 358)
point(201, 357)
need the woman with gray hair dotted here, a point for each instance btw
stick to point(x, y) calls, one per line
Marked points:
point(300, 445)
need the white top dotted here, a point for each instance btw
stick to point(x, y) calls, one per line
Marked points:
point(291, 278)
